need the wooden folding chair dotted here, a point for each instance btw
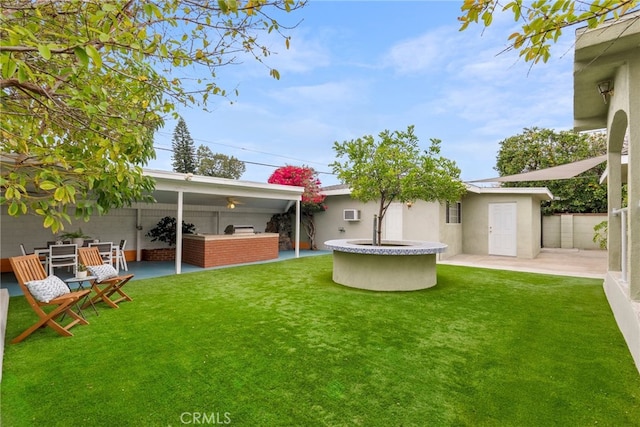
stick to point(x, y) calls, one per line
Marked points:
point(28, 268)
point(105, 288)
point(106, 251)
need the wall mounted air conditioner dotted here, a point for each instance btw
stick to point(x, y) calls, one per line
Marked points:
point(351, 215)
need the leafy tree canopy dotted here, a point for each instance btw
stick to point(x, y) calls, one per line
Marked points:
point(542, 21)
point(219, 165)
point(536, 149)
point(394, 168)
point(84, 85)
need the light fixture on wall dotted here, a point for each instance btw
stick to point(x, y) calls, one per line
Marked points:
point(606, 89)
point(409, 204)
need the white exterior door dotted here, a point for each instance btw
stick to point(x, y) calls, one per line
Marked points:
point(502, 229)
point(393, 222)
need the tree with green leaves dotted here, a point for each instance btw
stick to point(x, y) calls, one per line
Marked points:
point(536, 149)
point(394, 168)
point(184, 156)
point(543, 21)
point(85, 84)
point(218, 164)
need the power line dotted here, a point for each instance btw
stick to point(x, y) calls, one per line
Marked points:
point(250, 150)
point(248, 162)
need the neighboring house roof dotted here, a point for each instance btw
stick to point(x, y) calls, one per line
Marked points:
point(543, 192)
point(336, 190)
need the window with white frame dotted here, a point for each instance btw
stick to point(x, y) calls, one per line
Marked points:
point(454, 213)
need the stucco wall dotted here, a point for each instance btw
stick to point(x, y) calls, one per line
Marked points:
point(330, 225)
point(551, 231)
point(476, 231)
point(28, 230)
point(423, 221)
point(420, 222)
point(536, 226)
point(579, 236)
point(451, 234)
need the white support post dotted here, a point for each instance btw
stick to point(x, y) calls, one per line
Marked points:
point(179, 234)
point(297, 229)
point(138, 234)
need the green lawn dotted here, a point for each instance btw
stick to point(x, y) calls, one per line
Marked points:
point(281, 344)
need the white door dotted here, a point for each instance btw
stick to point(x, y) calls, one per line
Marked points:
point(502, 229)
point(393, 222)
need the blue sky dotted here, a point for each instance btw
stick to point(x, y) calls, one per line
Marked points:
point(356, 68)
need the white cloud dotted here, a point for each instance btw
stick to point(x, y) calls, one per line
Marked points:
point(324, 95)
point(304, 54)
point(417, 54)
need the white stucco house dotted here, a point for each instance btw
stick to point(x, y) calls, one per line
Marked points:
point(486, 221)
point(607, 96)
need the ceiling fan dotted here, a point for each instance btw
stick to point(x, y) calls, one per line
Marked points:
point(232, 203)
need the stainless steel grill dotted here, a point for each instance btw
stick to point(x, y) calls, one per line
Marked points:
point(239, 229)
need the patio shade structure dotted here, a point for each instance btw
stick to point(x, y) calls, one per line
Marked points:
point(180, 189)
point(565, 171)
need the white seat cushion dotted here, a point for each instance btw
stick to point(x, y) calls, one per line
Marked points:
point(102, 272)
point(47, 289)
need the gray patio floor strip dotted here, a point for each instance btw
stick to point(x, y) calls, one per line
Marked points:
point(150, 269)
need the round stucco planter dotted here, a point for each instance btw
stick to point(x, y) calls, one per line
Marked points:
point(405, 265)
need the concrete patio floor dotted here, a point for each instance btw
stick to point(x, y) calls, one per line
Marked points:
point(563, 262)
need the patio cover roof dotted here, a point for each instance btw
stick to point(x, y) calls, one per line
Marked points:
point(213, 192)
point(565, 171)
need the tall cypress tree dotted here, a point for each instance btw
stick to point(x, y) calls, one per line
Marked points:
point(184, 156)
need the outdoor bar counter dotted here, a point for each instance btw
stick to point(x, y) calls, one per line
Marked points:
point(214, 250)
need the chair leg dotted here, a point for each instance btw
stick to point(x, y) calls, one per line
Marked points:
point(121, 260)
point(48, 320)
point(101, 295)
point(123, 295)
